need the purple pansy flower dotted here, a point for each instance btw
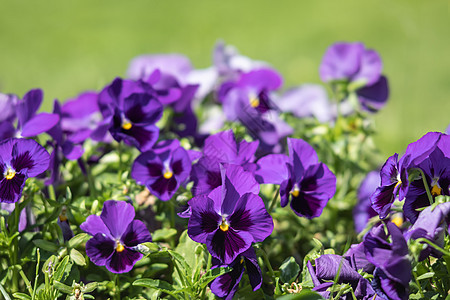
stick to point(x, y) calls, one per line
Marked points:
point(163, 169)
point(248, 100)
point(225, 286)
point(221, 148)
point(230, 218)
point(325, 270)
point(360, 68)
point(431, 225)
point(304, 181)
point(392, 266)
point(130, 110)
point(115, 236)
point(19, 160)
point(362, 212)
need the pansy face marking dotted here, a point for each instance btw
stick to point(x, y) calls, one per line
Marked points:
point(10, 173)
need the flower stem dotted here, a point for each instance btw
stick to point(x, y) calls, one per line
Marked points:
point(267, 263)
point(116, 287)
point(274, 200)
point(443, 251)
point(418, 284)
point(425, 183)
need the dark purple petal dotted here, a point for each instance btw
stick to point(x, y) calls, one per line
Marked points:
point(227, 245)
point(253, 269)
point(272, 169)
point(28, 107)
point(100, 248)
point(204, 220)
point(117, 215)
point(227, 284)
point(11, 189)
point(388, 288)
point(251, 215)
point(146, 166)
point(141, 137)
point(341, 61)
point(422, 148)
point(301, 156)
point(38, 124)
point(163, 188)
point(180, 164)
point(415, 198)
point(316, 188)
point(136, 233)
point(122, 262)
point(363, 211)
point(206, 176)
point(235, 183)
point(142, 109)
point(93, 225)
point(71, 151)
point(327, 266)
point(29, 155)
point(7, 130)
point(358, 258)
point(375, 96)
point(382, 200)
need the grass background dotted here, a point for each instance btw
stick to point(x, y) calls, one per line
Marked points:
point(65, 47)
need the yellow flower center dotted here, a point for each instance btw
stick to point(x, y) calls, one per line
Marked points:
point(10, 173)
point(127, 125)
point(119, 247)
point(397, 184)
point(168, 174)
point(296, 191)
point(254, 102)
point(436, 190)
point(398, 220)
point(224, 226)
point(242, 260)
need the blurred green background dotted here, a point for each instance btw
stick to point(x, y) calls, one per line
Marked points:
point(65, 47)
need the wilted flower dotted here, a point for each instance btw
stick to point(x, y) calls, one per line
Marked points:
point(115, 236)
point(230, 218)
point(227, 284)
point(19, 160)
point(304, 181)
point(163, 169)
point(360, 68)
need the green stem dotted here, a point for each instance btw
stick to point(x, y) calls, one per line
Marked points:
point(15, 252)
point(183, 282)
point(4, 293)
point(116, 287)
point(425, 183)
point(38, 253)
point(274, 200)
point(267, 263)
point(27, 282)
point(90, 179)
point(120, 150)
point(423, 240)
point(418, 284)
point(51, 192)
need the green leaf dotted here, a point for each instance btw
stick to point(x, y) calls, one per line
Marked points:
point(211, 275)
point(289, 270)
point(187, 268)
point(163, 234)
point(46, 245)
point(425, 276)
point(303, 295)
point(77, 257)
point(148, 247)
point(78, 239)
point(21, 296)
point(62, 287)
point(160, 285)
point(63, 269)
point(89, 287)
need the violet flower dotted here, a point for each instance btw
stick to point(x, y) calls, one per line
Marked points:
point(392, 266)
point(230, 218)
point(163, 169)
point(226, 285)
point(115, 236)
point(304, 181)
point(20, 159)
point(248, 100)
point(325, 270)
point(431, 225)
point(130, 110)
point(221, 148)
point(361, 69)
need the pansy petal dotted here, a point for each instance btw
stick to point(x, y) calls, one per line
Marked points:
point(327, 267)
point(11, 189)
point(221, 147)
point(251, 215)
point(227, 284)
point(93, 225)
point(30, 104)
point(227, 245)
point(142, 109)
point(204, 219)
point(39, 123)
point(136, 233)
point(28, 154)
point(100, 248)
point(253, 269)
point(272, 169)
point(374, 97)
point(122, 262)
point(370, 69)
point(117, 215)
point(341, 61)
point(382, 200)
point(301, 156)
